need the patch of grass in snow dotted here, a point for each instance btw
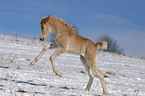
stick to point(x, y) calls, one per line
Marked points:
point(136, 91)
point(23, 91)
point(126, 65)
point(38, 92)
point(123, 75)
point(1, 85)
point(82, 72)
point(3, 67)
point(28, 60)
point(111, 73)
point(105, 76)
point(125, 94)
point(2, 89)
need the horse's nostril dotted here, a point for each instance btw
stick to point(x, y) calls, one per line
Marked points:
point(42, 39)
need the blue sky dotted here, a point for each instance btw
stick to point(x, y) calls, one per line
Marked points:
point(123, 20)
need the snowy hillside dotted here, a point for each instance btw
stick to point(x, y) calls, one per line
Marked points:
point(124, 75)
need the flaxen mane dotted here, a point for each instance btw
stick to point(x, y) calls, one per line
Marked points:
point(45, 19)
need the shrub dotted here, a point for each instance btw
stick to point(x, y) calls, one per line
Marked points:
point(112, 44)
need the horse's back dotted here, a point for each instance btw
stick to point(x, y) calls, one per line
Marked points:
point(78, 45)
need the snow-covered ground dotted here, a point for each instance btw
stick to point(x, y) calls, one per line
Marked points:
point(124, 75)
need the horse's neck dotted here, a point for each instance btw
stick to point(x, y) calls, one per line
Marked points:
point(54, 22)
point(58, 26)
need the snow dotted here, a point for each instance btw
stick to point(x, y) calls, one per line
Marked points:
point(124, 75)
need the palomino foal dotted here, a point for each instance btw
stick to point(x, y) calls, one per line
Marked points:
point(69, 41)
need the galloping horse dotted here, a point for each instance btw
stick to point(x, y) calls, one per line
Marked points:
point(69, 41)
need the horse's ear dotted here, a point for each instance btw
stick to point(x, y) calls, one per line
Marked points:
point(49, 16)
point(43, 17)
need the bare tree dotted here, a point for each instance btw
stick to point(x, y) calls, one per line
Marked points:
point(112, 44)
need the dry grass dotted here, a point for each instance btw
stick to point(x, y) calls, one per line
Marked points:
point(111, 73)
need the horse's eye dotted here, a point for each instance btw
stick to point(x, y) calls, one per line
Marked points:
point(42, 27)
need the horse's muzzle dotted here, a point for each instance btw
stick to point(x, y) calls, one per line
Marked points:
point(42, 39)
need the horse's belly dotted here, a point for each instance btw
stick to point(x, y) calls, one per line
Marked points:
point(75, 52)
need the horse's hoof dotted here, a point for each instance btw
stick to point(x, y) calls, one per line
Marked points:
point(31, 64)
point(86, 89)
point(60, 75)
point(106, 93)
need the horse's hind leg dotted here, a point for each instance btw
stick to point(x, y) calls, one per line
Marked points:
point(49, 46)
point(99, 73)
point(91, 74)
point(91, 61)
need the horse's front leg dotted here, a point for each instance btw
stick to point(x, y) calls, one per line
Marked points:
point(52, 58)
point(40, 55)
point(49, 46)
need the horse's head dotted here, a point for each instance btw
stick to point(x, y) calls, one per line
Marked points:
point(45, 28)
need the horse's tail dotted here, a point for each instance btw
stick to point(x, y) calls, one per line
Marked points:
point(101, 45)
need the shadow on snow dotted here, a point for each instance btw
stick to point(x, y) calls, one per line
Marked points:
point(16, 81)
